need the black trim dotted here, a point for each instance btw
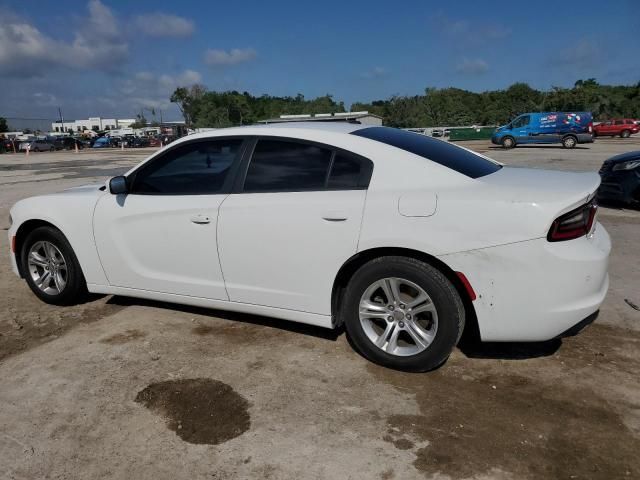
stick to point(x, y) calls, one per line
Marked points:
point(578, 327)
point(363, 183)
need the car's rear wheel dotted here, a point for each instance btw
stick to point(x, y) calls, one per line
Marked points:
point(52, 149)
point(569, 142)
point(402, 313)
point(625, 134)
point(508, 142)
point(51, 268)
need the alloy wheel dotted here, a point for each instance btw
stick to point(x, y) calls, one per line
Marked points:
point(398, 316)
point(47, 267)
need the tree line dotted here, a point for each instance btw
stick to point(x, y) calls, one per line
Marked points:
point(437, 107)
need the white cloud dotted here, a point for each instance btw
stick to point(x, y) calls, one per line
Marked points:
point(375, 72)
point(475, 66)
point(150, 90)
point(463, 32)
point(583, 54)
point(164, 25)
point(234, 56)
point(25, 51)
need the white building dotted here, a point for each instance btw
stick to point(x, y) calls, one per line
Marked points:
point(92, 123)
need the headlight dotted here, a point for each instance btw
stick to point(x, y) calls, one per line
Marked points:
point(630, 165)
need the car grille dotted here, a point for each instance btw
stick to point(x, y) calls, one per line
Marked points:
point(606, 167)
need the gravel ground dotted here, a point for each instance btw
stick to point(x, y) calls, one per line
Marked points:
point(123, 388)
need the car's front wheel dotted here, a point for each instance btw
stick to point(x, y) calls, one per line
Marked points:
point(625, 134)
point(51, 268)
point(508, 142)
point(402, 313)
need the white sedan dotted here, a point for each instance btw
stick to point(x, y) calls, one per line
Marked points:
point(404, 239)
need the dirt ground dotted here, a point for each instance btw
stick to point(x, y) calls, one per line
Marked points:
point(124, 388)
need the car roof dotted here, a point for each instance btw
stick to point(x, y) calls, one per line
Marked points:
point(333, 127)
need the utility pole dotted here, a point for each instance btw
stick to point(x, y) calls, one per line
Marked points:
point(61, 119)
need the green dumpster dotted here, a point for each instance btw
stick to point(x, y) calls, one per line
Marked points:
point(480, 133)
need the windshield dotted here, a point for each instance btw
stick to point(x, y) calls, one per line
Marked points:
point(460, 159)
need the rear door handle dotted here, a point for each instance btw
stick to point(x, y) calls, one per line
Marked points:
point(201, 219)
point(334, 217)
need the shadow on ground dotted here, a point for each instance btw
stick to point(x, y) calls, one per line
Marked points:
point(246, 318)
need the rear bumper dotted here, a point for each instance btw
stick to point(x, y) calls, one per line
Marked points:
point(584, 138)
point(536, 290)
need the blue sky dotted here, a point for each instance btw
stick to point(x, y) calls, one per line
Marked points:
point(111, 58)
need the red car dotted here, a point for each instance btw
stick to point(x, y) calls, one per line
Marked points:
point(624, 127)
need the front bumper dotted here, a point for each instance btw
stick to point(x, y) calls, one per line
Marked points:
point(622, 186)
point(536, 290)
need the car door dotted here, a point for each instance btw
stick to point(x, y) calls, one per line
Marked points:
point(293, 222)
point(161, 236)
point(606, 128)
point(521, 129)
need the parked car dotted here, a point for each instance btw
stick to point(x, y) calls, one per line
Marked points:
point(621, 179)
point(567, 128)
point(58, 142)
point(622, 127)
point(9, 145)
point(70, 143)
point(37, 146)
point(104, 142)
point(402, 238)
point(154, 142)
point(140, 142)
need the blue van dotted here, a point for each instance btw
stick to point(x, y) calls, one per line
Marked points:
point(567, 128)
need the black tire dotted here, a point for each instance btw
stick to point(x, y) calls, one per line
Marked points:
point(447, 301)
point(569, 141)
point(75, 290)
point(508, 142)
point(52, 149)
point(625, 134)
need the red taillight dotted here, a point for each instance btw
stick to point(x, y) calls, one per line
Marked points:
point(13, 244)
point(574, 224)
point(590, 127)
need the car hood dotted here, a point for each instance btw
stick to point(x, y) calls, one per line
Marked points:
point(94, 187)
point(624, 157)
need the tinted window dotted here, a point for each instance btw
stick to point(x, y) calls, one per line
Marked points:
point(459, 159)
point(287, 166)
point(619, 122)
point(349, 172)
point(191, 169)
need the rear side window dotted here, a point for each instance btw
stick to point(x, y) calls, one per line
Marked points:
point(449, 155)
point(287, 166)
point(349, 172)
point(197, 168)
point(619, 122)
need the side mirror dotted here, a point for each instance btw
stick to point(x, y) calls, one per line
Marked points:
point(118, 185)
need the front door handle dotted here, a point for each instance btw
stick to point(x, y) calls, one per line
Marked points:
point(201, 219)
point(334, 217)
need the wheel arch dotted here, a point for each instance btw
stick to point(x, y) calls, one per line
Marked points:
point(23, 231)
point(349, 268)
